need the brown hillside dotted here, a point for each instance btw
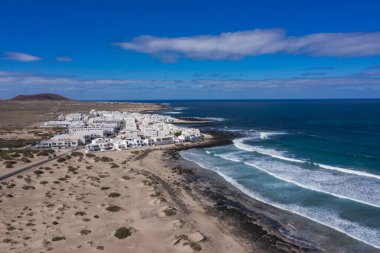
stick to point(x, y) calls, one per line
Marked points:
point(40, 97)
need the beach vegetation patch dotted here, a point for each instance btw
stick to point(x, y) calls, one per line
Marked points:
point(72, 169)
point(179, 238)
point(126, 177)
point(90, 155)
point(38, 172)
point(43, 153)
point(155, 194)
point(170, 211)
point(80, 213)
point(18, 143)
point(122, 233)
point(114, 195)
point(10, 162)
point(27, 179)
point(7, 240)
point(114, 165)
point(85, 232)
point(103, 159)
point(58, 238)
point(61, 159)
point(195, 246)
point(113, 209)
point(77, 154)
point(15, 155)
point(28, 187)
point(25, 160)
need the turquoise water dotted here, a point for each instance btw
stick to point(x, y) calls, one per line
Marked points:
point(319, 159)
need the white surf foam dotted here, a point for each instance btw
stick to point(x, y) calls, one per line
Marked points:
point(239, 143)
point(210, 118)
point(180, 108)
point(267, 135)
point(173, 112)
point(354, 230)
point(345, 187)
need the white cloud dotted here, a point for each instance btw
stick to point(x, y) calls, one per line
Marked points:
point(64, 59)
point(17, 56)
point(237, 45)
point(358, 81)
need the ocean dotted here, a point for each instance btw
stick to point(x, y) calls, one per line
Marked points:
point(319, 159)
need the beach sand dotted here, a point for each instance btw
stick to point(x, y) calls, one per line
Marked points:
point(79, 204)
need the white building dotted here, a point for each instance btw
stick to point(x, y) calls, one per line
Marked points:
point(131, 130)
point(62, 141)
point(99, 144)
point(56, 124)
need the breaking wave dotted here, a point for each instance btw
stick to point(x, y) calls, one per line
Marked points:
point(325, 217)
point(210, 118)
point(349, 187)
point(239, 143)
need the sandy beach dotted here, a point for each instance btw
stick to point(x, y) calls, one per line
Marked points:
point(80, 203)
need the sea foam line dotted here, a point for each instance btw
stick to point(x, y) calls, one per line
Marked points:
point(210, 118)
point(284, 207)
point(279, 155)
point(180, 108)
point(307, 187)
point(173, 112)
point(266, 135)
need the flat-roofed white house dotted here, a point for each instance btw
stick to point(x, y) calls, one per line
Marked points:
point(99, 144)
point(149, 142)
point(164, 140)
point(129, 135)
point(119, 144)
point(56, 124)
point(62, 141)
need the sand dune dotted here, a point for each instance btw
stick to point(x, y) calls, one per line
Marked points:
point(78, 205)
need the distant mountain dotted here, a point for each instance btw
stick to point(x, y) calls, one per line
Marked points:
point(40, 97)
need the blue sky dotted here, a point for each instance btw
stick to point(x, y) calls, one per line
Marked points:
point(190, 49)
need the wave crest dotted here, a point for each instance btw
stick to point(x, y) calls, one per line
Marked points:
point(239, 143)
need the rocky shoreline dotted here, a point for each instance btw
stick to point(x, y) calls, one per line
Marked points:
point(256, 225)
point(257, 232)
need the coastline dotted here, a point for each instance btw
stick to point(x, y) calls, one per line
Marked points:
point(206, 205)
point(296, 233)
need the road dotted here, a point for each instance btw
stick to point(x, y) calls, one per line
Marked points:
point(29, 167)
